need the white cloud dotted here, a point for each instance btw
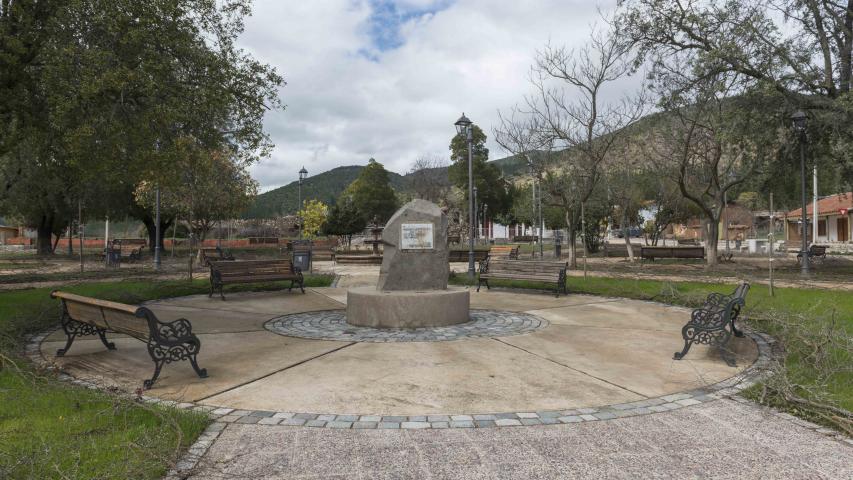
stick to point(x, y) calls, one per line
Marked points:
point(351, 96)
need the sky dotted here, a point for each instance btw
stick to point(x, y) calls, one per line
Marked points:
point(387, 79)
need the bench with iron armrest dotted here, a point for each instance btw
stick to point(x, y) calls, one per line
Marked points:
point(651, 253)
point(167, 341)
point(507, 251)
point(526, 238)
point(213, 254)
point(714, 322)
point(252, 271)
point(130, 248)
point(815, 252)
point(533, 271)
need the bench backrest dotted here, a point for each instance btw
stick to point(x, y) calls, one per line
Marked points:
point(114, 316)
point(499, 250)
point(818, 249)
point(238, 268)
point(526, 267)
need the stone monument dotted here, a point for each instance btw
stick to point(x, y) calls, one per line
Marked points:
point(412, 289)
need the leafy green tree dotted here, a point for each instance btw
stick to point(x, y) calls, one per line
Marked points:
point(492, 188)
point(372, 194)
point(313, 215)
point(208, 188)
point(112, 91)
point(344, 220)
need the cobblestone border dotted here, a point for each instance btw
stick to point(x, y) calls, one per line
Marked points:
point(332, 325)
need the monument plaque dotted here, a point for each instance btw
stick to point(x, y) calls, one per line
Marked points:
point(417, 236)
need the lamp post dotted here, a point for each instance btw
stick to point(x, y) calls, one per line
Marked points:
point(799, 122)
point(485, 223)
point(303, 174)
point(476, 215)
point(157, 231)
point(463, 126)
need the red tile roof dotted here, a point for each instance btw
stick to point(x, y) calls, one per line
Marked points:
point(828, 205)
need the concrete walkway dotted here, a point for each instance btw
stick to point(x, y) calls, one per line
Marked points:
point(721, 439)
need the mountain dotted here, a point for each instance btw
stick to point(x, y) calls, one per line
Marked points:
point(325, 187)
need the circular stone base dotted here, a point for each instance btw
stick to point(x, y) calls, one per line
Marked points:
point(368, 307)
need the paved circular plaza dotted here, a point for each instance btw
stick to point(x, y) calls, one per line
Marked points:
point(524, 359)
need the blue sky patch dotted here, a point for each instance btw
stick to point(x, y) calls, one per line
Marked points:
point(387, 18)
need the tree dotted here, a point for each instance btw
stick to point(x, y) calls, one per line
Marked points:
point(429, 180)
point(344, 220)
point(492, 188)
point(107, 90)
point(372, 194)
point(799, 49)
point(313, 215)
point(206, 188)
point(709, 143)
point(567, 129)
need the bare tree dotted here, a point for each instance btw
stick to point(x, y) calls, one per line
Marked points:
point(709, 142)
point(569, 127)
point(429, 180)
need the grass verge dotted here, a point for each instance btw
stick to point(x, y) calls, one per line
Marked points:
point(50, 429)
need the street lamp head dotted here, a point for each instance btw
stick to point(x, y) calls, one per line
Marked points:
point(798, 119)
point(462, 124)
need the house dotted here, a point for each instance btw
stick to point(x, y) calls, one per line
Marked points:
point(7, 233)
point(834, 219)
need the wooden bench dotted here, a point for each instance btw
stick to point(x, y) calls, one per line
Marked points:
point(534, 271)
point(323, 249)
point(619, 249)
point(167, 341)
point(651, 253)
point(462, 255)
point(526, 238)
point(714, 322)
point(453, 239)
point(252, 271)
point(815, 253)
point(687, 241)
point(131, 248)
point(507, 251)
point(206, 255)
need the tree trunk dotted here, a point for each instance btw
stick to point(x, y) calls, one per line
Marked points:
point(626, 231)
point(152, 232)
point(711, 242)
point(44, 240)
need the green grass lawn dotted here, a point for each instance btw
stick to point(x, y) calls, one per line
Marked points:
point(51, 429)
point(819, 307)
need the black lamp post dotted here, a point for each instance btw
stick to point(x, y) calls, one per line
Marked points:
point(303, 174)
point(476, 215)
point(799, 122)
point(463, 126)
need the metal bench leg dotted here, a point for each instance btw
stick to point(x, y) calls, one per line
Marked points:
point(109, 345)
point(158, 365)
point(290, 289)
point(683, 352)
point(201, 372)
point(61, 352)
point(221, 293)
